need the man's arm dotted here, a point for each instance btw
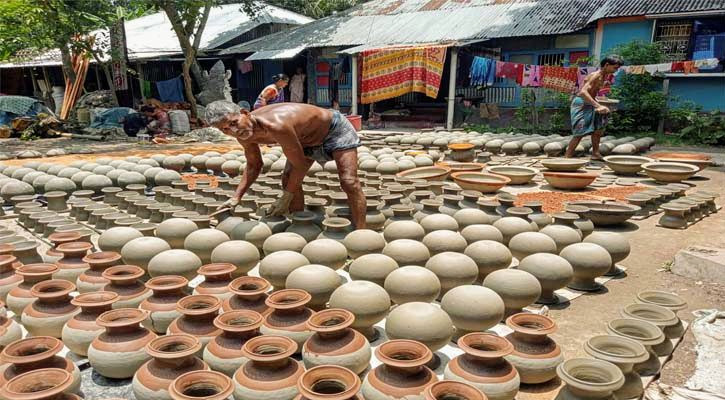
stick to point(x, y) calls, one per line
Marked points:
point(585, 93)
point(251, 170)
point(296, 156)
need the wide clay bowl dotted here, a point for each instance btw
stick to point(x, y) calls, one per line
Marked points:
point(461, 166)
point(700, 164)
point(434, 173)
point(563, 164)
point(609, 213)
point(626, 165)
point(518, 175)
point(669, 172)
point(701, 160)
point(570, 180)
point(480, 181)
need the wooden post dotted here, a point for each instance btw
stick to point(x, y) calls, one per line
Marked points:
point(353, 108)
point(139, 70)
point(452, 87)
point(666, 92)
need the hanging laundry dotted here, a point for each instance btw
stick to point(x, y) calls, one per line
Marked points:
point(245, 66)
point(559, 78)
point(653, 69)
point(171, 91)
point(582, 75)
point(708, 63)
point(509, 70)
point(678, 66)
point(483, 71)
point(531, 76)
point(689, 67)
point(635, 69)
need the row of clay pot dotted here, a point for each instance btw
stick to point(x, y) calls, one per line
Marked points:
point(688, 210)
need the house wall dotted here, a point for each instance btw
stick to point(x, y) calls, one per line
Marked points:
point(708, 92)
point(620, 31)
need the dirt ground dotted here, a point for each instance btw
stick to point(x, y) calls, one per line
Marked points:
point(652, 249)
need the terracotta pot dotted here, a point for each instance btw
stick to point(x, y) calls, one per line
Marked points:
point(369, 303)
point(47, 315)
point(670, 301)
point(197, 317)
point(453, 390)
point(535, 355)
point(19, 297)
point(166, 290)
point(662, 317)
point(335, 343)
point(79, 331)
point(422, 322)
point(58, 238)
point(328, 252)
point(270, 373)
point(208, 385)
point(277, 266)
point(171, 357)
point(125, 281)
point(92, 280)
point(120, 351)
point(35, 353)
point(289, 315)
point(224, 352)
point(174, 262)
point(489, 256)
point(589, 261)
point(615, 244)
point(217, 278)
point(646, 333)
point(329, 382)
point(243, 255)
point(588, 379)
point(8, 278)
point(412, 283)
point(10, 330)
point(517, 288)
point(41, 384)
point(483, 366)
point(553, 272)
point(403, 375)
point(623, 353)
point(317, 280)
point(472, 308)
point(248, 293)
point(141, 250)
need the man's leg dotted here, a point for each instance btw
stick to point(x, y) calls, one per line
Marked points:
point(346, 161)
point(573, 143)
point(298, 201)
point(596, 138)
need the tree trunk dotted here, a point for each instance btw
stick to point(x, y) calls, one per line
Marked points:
point(109, 80)
point(67, 64)
point(188, 61)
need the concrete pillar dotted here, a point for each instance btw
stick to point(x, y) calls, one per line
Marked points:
point(452, 88)
point(353, 108)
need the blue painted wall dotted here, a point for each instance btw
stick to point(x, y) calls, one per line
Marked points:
point(705, 91)
point(618, 33)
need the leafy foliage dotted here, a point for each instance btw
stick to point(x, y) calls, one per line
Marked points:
point(696, 126)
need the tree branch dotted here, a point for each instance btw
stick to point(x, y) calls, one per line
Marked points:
point(202, 25)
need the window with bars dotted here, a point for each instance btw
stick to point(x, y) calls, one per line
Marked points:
point(674, 37)
point(551, 59)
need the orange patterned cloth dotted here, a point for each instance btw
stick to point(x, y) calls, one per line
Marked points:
point(559, 78)
point(389, 73)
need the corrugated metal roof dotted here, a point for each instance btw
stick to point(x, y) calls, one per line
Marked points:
point(388, 22)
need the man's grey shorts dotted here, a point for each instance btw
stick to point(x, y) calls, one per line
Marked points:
point(342, 136)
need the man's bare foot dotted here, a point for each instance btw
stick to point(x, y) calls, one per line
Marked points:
point(597, 157)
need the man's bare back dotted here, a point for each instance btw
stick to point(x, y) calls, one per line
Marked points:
point(310, 124)
point(593, 83)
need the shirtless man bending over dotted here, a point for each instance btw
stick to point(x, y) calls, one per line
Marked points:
point(306, 133)
point(588, 117)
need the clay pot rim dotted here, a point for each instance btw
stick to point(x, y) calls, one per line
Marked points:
point(287, 346)
point(216, 269)
point(461, 146)
point(63, 381)
point(342, 375)
point(303, 216)
point(673, 301)
point(120, 317)
point(500, 346)
point(120, 273)
point(95, 299)
point(666, 316)
point(26, 245)
point(385, 351)
point(214, 304)
point(564, 373)
point(262, 284)
point(517, 323)
point(576, 209)
point(6, 248)
point(167, 282)
point(567, 216)
point(460, 390)
point(220, 381)
point(74, 247)
point(336, 222)
point(488, 202)
point(255, 321)
point(299, 299)
point(39, 289)
point(10, 352)
point(154, 347)
point(316, 321)
point(7, 259)
point(656, 335)
point(101, 257)
point(71, 236)
point(37, 269)
point(638, 353)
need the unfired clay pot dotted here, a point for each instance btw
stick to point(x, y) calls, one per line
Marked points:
point(92, 280)
point(269, 361)
point(483, 366)
point(472, 308)
point(647, 334)
point(217, 277)
point(623, 353)
point(511, 226)
point(585, 378)
point(113, 239)
point(335, 343)
point(436, 222)
point(141, 250)
point(289, 316)
point(224, 353)
point(563, 235)
point(277, 266)
point(8, 278)
point(174, 262)
point(203, 241)
point(517, 288)
point(442, 241)
point(589, 261)
point(197, 317)
point(553, 272)
point(407, 252)
point(363, 241)
point(412, 283)
point(317, 280)
point(403, 375)
point(166, 290)
point(175, 230)
point(125, 280)
point(615, 244)
point(527, 243)
point(668, 300)
point(288, 241)
point(303, 224)
point(489, 256)
point(476, 232)
point(36, 353)
point(423, 322)
point(52, 309)
point(248, 293)
point(327, 252)
point(535, 355)
point(79, 331)
point(662, 317)
point(372, 267)
point(403, 230)
point(368, 301)
point(452, 269)
point(19, 296)
point(243, 255)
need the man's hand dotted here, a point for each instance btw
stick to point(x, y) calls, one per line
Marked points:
point(281, 207)
point(231, 203)
point(602, 109)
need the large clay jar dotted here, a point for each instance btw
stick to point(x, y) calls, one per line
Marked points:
point(197, 317)
point(585, 378)
point(615, 244)
point(436, 222)
point(563, 235)
point(203, 241)
point(248, 293)
point(270, 373)
point(403, 230)
point(52, 309)
point(476, 232)
point(623, 353)
point(589, 261)
point(372, 267)
point(19, 297)
point(453, 390)
point(337, 229)
point(125, 280)
point(141, 250)
point(34, 353)
point(79, 331)
point(423, 322)
point(327, 252)
point(243, 255)
point(289, 316)
point(368, 301)
point(517, 288)
point(511, 226)
point(335, 343)
point(8, 278)
point(553, 272)
point(585, 225)
point(166, 291)
point(489, 256)
point(452, 269)
point(443, 240)
point(647, 334)
point(317, 280)
point(284, 241)
point(670, 301)
point(217, 278)
point(403, 373)
point(115, 238)
point(363, 241)
point(10, 330)
point(662, 317)
point(303, 224)
point(329, 382)
point(483, 366)
point(56, 385)
point(207, 385)
point(71, 265)
point(175, 230)
point(174, 262)
point(92, 280)
point(407, 252)
point(171, 357)
point(473, 308)
point(527, 243)
point(535, 355)
point(374, 219)
point(412, 283)
point(120, 351)
point(224, 352)
point(277, 266)
point(541, 218)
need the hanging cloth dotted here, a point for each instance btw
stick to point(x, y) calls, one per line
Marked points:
point(531, 76)
point(689, 67)
point(171, 91)
point(509, 70)
point(483, 71)
point(678, 66)
point(559, 78)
